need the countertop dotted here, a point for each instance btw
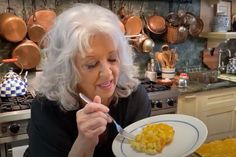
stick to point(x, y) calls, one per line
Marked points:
point(194, 87)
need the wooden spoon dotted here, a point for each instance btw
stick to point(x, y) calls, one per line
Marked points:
point(159, 58)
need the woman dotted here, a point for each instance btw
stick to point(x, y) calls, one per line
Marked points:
point(86, 53)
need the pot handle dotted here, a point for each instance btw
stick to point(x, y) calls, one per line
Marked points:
point(9, 8)
point(11, 60)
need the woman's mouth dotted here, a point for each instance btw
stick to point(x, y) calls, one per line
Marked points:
point(106, 85)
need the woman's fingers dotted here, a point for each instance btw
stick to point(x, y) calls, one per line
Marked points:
point(93, 107)
point(91, 134)
point(96, 126)
point(92, 119)
point(97, 99)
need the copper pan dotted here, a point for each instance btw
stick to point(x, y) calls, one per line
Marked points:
point(174, 36)
point(45, 18)
point(12, 27)
point(27, 53)
point(36, 31)
point(133, 25)
point(156, 24)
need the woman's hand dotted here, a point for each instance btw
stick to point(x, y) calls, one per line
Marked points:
point(92, 121)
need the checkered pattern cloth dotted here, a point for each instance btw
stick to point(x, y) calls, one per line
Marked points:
point(13, 87)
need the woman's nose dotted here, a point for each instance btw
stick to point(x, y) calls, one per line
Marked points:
point(105, 69)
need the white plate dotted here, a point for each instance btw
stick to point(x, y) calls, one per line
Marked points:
point(190, 133)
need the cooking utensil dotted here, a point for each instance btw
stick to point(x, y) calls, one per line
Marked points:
point(196, 28)
point(28, 54)
point(159, 58)
point(10, 60)
point(45, 18)
point(167, 57)
point(35, 30)
point(156, 24)
point(176, 34)
point(12, 27)
point(122, 132)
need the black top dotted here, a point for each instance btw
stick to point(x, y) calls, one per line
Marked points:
point(52, 131)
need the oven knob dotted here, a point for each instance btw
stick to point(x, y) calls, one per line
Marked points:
point(158, 104)
point(170, 102)
point(153, 103)
point(14, 128)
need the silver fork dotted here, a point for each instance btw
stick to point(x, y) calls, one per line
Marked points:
point(122, 132)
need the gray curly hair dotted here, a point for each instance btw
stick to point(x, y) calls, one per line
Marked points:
point(69, 36)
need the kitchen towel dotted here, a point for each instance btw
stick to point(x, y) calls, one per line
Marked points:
point(18, 151)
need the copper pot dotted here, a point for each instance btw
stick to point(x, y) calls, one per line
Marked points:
point(44, 17)
point(35, 30)
point(156, 24)
point(27, 53)
point(12, 27)
point(174, 36)
point(143, 43)
point(133, 25)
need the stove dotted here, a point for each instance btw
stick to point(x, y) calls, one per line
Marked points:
point(163, 98)
point(14, 117)
point(15, 103)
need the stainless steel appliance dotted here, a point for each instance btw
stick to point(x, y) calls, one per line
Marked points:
point(163, 98)
point(14, 117)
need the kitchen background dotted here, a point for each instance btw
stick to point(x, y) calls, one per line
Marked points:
point(189, 52)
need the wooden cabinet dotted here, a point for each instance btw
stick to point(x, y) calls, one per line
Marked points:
point(216, 108)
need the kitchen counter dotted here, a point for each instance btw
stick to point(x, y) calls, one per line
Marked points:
point(194, 87)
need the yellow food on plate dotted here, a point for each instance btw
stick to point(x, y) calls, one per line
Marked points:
point(218, 148)
point(153, 138)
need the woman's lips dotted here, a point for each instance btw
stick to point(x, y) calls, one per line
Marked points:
point(106, 85)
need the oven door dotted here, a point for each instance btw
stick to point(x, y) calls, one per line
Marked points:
point(14, 149)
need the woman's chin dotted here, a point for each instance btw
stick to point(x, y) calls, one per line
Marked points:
point(107, 92)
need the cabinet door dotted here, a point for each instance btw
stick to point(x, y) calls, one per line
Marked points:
point(219, 120)
point(234, 120)
point(217, 111)
point(187, 105)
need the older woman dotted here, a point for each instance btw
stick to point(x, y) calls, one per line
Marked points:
point(86, 52)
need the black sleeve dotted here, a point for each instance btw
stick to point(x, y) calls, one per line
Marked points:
point(48, 130)
point(139, 106)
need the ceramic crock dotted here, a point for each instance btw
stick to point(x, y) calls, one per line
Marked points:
point(220, 23)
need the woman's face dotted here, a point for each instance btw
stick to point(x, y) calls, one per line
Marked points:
point(99, 68)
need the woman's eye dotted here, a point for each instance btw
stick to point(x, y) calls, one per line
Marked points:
point(90, 66)
point(112, 60)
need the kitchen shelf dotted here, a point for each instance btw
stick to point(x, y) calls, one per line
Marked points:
point(215, 38)
point(218, 35)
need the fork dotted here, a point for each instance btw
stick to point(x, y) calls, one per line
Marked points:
point(122, 132)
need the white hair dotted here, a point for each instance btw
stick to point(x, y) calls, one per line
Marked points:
point(69, 36)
